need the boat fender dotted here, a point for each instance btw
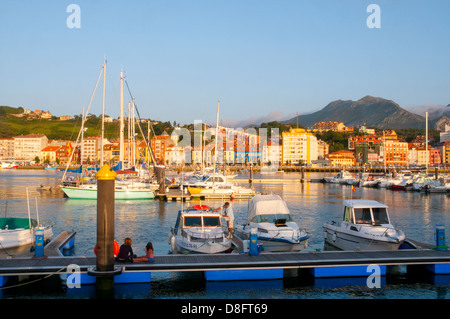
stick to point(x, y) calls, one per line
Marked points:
point(232, 196)
point(172, 243)
point(334, 236)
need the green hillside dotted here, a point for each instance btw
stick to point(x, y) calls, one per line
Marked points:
point(54, 128)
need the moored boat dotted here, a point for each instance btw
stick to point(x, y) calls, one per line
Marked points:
point(365, 226)
point(276, 229)
point(199, 230)
point(15, 232)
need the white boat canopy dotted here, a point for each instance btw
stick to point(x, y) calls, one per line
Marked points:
point(363, 203)
point(267, 205)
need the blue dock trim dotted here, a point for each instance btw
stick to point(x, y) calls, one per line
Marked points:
point(244, 274)
point(344, 271)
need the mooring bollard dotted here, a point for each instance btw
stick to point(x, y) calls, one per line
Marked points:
point(39, 242)
point(440, 237)
point(253, 242)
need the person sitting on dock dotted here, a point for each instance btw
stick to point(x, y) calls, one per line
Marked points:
point(126, 252)
point(148, 254)
point(229, 217)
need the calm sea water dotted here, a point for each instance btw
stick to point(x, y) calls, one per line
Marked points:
point(311, 204)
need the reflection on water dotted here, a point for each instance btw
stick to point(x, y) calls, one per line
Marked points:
point(311, 205)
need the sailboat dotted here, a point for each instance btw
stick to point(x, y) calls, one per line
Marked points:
point(215, 185)
point(87, 188)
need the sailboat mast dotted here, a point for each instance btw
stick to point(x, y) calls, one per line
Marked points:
point(426, 141)
point(121, 119)
point(215, 148)
point(103, 115)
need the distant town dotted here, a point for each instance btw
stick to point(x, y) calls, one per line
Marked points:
point(295, 146)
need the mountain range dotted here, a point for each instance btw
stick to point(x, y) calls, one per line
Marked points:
point(374, 112)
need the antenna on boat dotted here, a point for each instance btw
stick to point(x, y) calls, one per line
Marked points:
point(37, 211)
point(28, 204)
point(6, 208)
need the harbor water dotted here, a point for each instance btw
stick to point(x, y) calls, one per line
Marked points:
point(311, 205)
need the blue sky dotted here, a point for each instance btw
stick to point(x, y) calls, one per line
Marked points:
point(261, 59)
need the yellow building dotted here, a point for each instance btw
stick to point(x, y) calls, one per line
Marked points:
point(342, 158)
point(299, 147)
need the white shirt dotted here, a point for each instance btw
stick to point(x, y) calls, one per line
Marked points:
point(229, 212)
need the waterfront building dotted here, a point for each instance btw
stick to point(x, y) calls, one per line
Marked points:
point(6, 148)
point(174, 154)
point(271, 153)
point(419, 155)
point(64, 153)
point(299, 147)
point(322, 149)
point(445, 136)
point(368, 149)
point(444, 150)
point(342, 158)
point(28, 147)
point(158, 145)
point(396, 153)
point(49, 154)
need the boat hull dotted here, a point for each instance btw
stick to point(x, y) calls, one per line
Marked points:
point(184, 246)
point(82, 193)
point(346, 241)
point(20, 237)
point(274, 244)
point(197, 192)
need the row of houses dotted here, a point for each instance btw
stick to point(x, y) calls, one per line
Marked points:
point(297, 146)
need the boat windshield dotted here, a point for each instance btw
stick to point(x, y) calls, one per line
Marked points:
point(271, 218)
point(196, 221)
point(380, 216)
point(211, 221)
point(193, 221)
point(364, 216)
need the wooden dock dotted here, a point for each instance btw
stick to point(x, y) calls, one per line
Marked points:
point(174, 194)
point(182, 263)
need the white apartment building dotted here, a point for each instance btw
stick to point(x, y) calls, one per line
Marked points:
point(28, 147)
point(445, 136)
point(6, 148)
point(89, 149)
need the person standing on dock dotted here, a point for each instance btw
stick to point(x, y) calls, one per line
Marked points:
point(229, 217)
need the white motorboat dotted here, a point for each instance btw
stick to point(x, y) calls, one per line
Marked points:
point(15, 232)
point(365, 226)
point(441, 185)
point(404, 184)
point(199, 230)
point(8, 165)
point(421, 183)
point(216, 186)
point(340, 177)
point(276, 230)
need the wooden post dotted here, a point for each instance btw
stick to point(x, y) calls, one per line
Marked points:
point(105, 226)
point(161, 176)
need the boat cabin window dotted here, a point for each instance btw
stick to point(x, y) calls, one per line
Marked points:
point(380, 216)
point(193, 221)
point(348, 216)
point(196, 221)
point(363, 216)
point(211, 221)
point(271, 218)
